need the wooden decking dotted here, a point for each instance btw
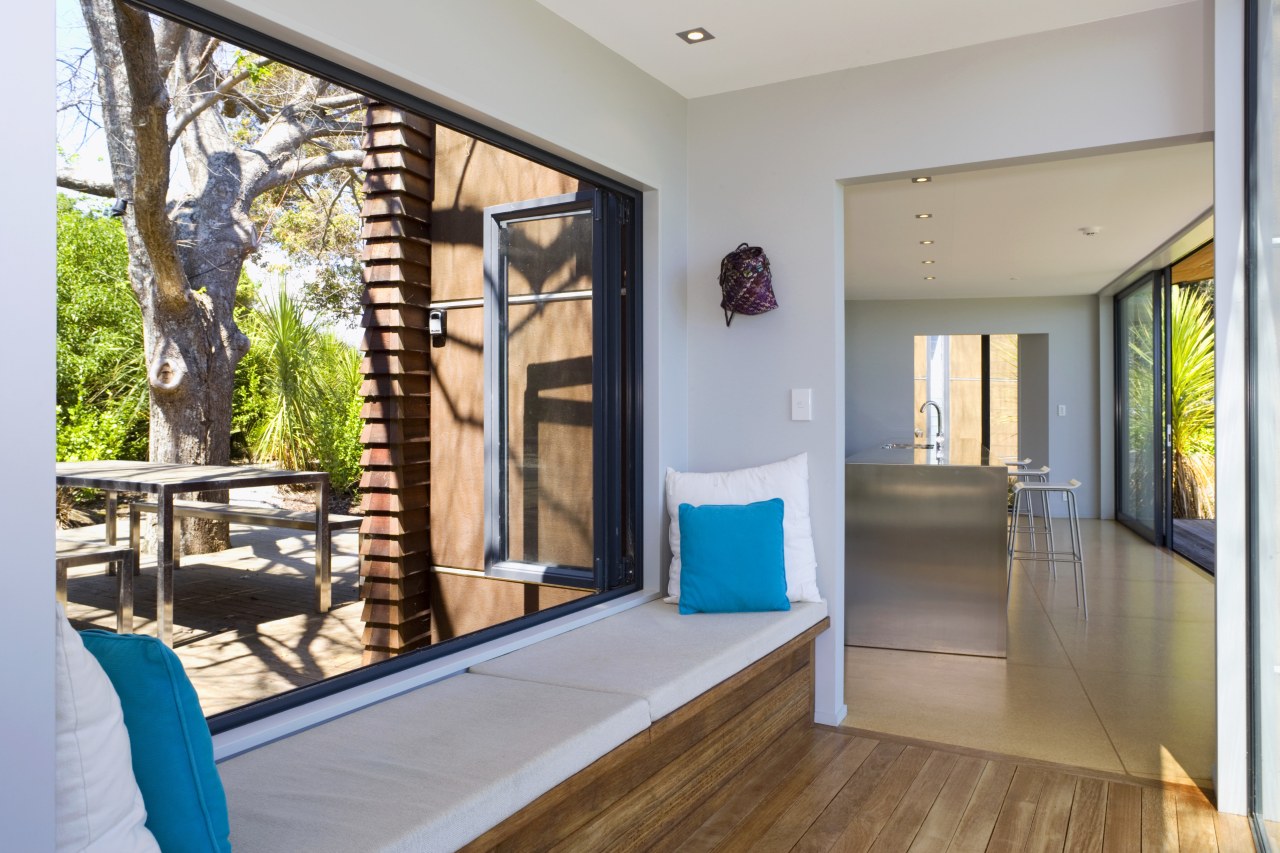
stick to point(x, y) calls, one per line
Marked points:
point(824, 789)
point(1194, 538)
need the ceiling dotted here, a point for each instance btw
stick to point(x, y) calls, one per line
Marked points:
point(764, 41)
point(1016, 230)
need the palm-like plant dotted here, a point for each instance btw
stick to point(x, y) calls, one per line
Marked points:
point(289, 345)
point(1191, 403)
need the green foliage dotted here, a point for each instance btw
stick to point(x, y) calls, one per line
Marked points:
point(298, 394)
point(1191, 400)
point(101, 373)
point(1191, 403)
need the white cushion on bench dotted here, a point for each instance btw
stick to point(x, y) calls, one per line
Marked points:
point(653, 652)
point(429, 770)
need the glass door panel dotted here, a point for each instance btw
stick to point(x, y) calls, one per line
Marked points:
point(540, 429)
point(1139, 430)
point(1192, 506)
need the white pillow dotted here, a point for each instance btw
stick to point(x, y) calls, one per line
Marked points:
point(98, 807)
point(789, 480)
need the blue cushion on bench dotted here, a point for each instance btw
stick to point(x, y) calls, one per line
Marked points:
point(170, 741)
point(732, 558)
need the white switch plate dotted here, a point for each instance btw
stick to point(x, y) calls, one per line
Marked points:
point(1062, 411)
point(801, 404)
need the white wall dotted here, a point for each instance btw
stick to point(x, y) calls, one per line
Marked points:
point(26, 434)
point(878, 369)
point(764, 166)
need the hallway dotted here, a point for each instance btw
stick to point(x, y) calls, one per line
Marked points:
point(1130, 691)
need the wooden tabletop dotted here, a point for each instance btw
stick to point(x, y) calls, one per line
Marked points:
point(127, 476)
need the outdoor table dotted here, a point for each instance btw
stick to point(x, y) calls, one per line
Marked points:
point(165, 480)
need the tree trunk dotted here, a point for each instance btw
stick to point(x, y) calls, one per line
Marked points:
point(191, 421)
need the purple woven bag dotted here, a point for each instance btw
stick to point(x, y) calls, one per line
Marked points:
point(746, 285)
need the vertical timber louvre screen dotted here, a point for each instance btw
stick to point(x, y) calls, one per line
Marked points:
point(395, 544)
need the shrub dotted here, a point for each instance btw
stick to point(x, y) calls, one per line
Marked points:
point(101, 374)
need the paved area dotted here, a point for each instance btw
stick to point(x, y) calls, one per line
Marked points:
point(244, 624)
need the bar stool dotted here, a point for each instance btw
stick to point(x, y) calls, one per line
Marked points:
point(1018, 473)
point(1022, 493)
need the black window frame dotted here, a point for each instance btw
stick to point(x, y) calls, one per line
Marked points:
point(619, 548)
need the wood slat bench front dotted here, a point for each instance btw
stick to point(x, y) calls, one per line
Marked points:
point(647, 792)
point(290, 519)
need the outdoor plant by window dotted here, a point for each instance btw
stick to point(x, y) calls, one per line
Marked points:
point(1191, 401)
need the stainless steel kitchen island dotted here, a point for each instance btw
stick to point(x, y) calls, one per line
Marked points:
point(925, 552)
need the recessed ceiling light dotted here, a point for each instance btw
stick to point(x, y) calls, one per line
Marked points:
point(695, 35)
point(924, 216)
point(928, 262)
point(926, 242)
point(921, 179)
point(930, 278)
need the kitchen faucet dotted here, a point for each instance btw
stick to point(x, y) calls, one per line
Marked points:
point(935, 439)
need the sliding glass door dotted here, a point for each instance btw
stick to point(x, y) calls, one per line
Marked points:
point(1140, 430)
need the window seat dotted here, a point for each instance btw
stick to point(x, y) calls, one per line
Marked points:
point(569, 736)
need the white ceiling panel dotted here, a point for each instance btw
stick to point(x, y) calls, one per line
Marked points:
point(1016, 230)
point(765, 41)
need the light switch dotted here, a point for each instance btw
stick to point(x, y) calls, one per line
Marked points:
point(1062, 411)
point(801, 404)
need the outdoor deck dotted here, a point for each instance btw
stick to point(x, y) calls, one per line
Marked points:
point(244, 625)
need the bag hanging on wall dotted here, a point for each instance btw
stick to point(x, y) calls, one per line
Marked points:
point(746, 284)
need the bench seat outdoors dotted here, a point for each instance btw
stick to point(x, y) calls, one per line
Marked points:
point(429, 770)
point(292, 519)
point(599, 738)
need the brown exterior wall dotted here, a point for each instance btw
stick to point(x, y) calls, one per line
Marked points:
point(395, 561)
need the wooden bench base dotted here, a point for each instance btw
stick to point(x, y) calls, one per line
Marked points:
point(648, 791)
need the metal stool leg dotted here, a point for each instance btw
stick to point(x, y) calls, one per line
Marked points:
point(1077, 548)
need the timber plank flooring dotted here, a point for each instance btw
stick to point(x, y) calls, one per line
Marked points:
point(828, 789)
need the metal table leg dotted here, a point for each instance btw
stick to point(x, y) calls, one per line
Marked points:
point(324, 595)
point(164, 567)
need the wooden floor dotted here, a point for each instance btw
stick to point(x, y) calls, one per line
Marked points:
point(1194, 539)
point(824, 789)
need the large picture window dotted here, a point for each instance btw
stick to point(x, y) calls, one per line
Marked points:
point(442, 319)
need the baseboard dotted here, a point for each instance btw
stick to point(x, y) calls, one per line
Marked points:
point(831, 718)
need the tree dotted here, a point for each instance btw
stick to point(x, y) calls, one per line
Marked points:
point(250, 136)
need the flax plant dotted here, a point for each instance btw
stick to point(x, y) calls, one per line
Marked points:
point(1191, 402)
point(289, 344)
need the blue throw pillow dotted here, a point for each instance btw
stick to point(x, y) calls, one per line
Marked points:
point(732, 558)
point(170, 742)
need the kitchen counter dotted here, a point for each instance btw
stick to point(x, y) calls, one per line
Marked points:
point(925, 552)
point(918, 456)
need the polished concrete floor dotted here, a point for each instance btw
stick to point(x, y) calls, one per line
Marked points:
point(1129, 691)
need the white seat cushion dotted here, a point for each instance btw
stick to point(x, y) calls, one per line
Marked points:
point(653, 652)
point(430, 770)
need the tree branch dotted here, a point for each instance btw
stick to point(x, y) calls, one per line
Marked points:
point(220, 92)
point(168, 40)
point(135, 109)
point(69, 180)
point(296, 168)
point(337, 102)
